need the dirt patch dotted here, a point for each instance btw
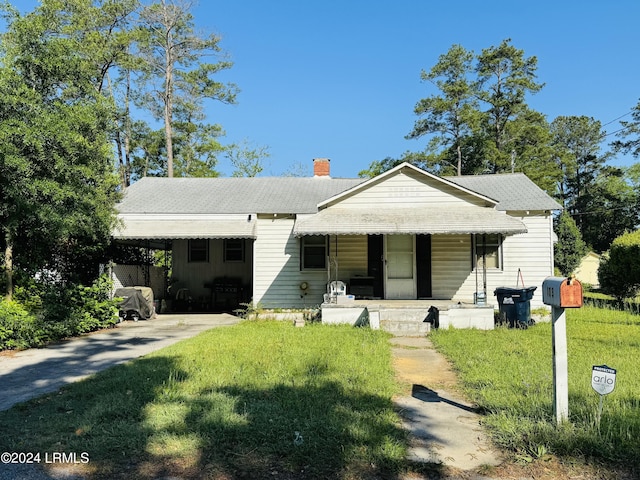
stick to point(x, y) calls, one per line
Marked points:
point(416, 362)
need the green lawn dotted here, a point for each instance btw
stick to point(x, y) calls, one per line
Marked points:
point(509, 374)
point(239, 402)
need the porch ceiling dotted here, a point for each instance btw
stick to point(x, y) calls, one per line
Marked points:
point(408, 220)
point(160, 227)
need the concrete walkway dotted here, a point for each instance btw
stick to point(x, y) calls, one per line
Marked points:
point(31, 373)
point(444, 428)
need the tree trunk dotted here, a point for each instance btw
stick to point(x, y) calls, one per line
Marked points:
point(121, 165)
point(127, 132)
point(168, 97)
point(459, 152)
point(8, 265)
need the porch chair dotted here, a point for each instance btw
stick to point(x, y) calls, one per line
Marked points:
point(336, 288)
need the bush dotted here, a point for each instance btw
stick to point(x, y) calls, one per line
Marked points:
point(619, 272)
point(79, 309)
point(93, 309)
point(18, 328)
point(570, 247)
point(44, 313)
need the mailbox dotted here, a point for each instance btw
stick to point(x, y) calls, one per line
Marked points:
point(562, 292)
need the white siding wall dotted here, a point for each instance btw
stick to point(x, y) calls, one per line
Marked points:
point(409, 190)
point(450, 265)
point(531, 252)
point(277, 274)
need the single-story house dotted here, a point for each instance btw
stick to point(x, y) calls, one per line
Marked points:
point(404, 235)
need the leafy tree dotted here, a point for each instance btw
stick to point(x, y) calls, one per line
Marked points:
point(532, 152)
point(577, 145)
point(171, 53)
point(619, 272)
point(452, 116)
point(479, 121)
point(505, 77)
point(246, 159)
point(146, 151)
point(419, 159)
point(56, 174)
point(570, 247)
point(629, 129)
point(196, 149)
point(609, 208)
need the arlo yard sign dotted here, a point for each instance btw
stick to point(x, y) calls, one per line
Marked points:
point(603, 379)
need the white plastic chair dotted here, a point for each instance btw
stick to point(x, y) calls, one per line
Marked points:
point(336, 288)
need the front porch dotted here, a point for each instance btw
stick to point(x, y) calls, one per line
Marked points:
point(409, 317)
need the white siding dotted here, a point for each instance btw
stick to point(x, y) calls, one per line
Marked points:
point(531, 252)
point(277, 274)
point(450, 265)
point(409, 190)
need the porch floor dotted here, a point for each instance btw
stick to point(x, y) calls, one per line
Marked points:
point(410, 317)
point(422, 303)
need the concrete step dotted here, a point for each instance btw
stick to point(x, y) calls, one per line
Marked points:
point(404, 321)
point(402, 328)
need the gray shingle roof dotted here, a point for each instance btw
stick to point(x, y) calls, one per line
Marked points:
point(514, 191)
point(300, 194)
point(232, 195)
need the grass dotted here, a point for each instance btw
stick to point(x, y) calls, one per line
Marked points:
point(257, 400)
point(509, 374)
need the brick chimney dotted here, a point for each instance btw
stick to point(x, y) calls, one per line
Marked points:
point(321, 167)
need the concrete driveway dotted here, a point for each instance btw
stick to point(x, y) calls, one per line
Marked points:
point(31, 373)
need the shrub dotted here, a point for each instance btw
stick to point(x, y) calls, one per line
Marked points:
point(619, 272)
point(570, 247)
point(19, 328)
point(79, 309)
point(47, 312)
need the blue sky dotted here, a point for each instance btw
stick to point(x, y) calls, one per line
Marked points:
point(340, 79)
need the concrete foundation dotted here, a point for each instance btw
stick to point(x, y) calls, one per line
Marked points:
point(409, 318)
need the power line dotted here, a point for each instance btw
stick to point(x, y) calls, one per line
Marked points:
point(618, 118)
point(619, 130)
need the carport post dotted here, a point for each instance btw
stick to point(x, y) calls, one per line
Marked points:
point(560, 365)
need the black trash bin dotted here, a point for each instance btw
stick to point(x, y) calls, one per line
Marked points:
point(515, 305)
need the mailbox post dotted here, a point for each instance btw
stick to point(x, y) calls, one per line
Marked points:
point(560, 293)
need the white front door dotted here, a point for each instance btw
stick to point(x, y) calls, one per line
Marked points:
point(400, 267)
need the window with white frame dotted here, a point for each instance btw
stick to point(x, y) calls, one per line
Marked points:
point(233, 250)
point(487, 250)
point(314, 252)
point(198, 250)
